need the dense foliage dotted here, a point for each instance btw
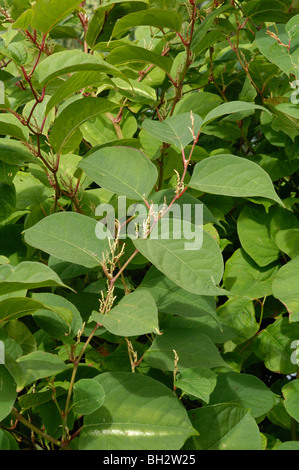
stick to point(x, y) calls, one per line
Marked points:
point(138, 342)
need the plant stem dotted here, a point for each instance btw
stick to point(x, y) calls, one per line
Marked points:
point(34, 428)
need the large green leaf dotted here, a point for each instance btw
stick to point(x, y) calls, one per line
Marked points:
point(8, 200)
point(152, 17)
point(243, 389)
point(37, 365)
point(291, 394)
point(27, 275)
point(288, 241)
point(197, 270)
point(199, 103)
point(68, 236)
point(197, 381)
point(273, 345)
point(224, 427)
point(254, 233)
point(232, 107)
point(10, 125)
point(239, 314)
point(8, 392)
point(193, 347)
point(126, 54)
point(285, 287)
point(54, 324)
point(136, 314)
point(230, 175)
point(88, 396)
point(73, 116)
point(173, 300)
point(277, 53)
point(15, 153)
point(243, 277)
point(78, 81)
point(174, 130)
point(139, 413)
point(123, 170)
point(13, 308)
point(70, 61)
point(45, 14)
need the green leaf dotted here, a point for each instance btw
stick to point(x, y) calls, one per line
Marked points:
point(204, 26)
point(18, 52)
point(288, 445)
point(8, 392)
point(68, 236)
point(45, 14)
point(76, 82)
point(288, 241)
point(7, 441)
point(15, 153)
point(239, 315)
point(88, 396)
point(13, 308)
point(140, 413)
point(136, 314)
point(127, 54)
point(57, 325)
point(275, 52)
point(152, 17)
point(73, 116)
point(193, 347)
point(243, 389)
point(134, 90)
point(291, 394)
point(10, 125)
point(37, 365)
point(230, 175)
point(174, 130)
point(71, 61)
point(266, 10)
point(285, 287)
point(254, 233)
point(21, 334)
point(224, 427)
point(173, 300)
point(27, 275)
point(197, 381)
point(231, 107)
point(123, 170)
point(243, 277)
point(197, 270)
point(199, 103)
point(273, 345)
point(8, 200)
